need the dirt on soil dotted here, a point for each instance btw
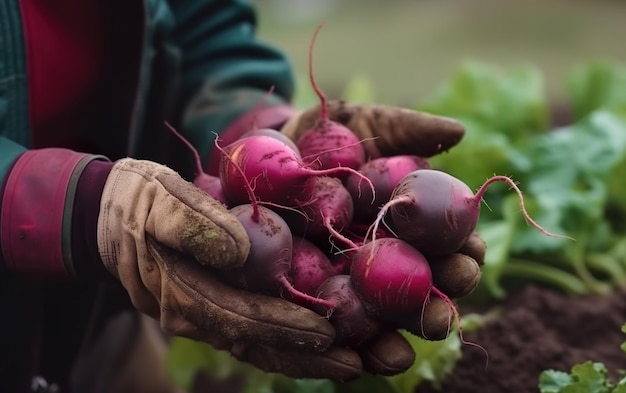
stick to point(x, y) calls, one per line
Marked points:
point(540, 329)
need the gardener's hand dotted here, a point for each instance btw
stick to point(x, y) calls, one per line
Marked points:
point(163, 238)
point(271, 333)
point(385, 130)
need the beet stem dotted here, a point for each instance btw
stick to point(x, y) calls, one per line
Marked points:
point(337, 234)
point(318, 91)
point(380, 217)
point(331, 171)
point(253, 201)
point(191, 147)
point(457, 316)
point(318, 155)
point(481, 192)
point(303, 296)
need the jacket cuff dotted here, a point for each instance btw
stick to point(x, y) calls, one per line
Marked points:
point(36, 207)
point(269, 117)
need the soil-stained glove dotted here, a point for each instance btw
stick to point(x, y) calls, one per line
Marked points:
point(67, 214)
point(146, 203)
point(164, 268)
point(270, 333)
point(385, 130)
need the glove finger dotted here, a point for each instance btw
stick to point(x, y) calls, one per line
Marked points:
point(395, 130)
point(193, 300)
point(456, 275)
point(475, 247)
point(338, 364)
point(388, 354)
point(199, 226)
point(399, 130)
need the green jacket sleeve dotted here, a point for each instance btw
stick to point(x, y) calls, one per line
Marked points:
point(9, 152)
point(226, 72)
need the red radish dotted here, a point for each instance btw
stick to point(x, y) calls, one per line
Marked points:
point(329, 211)
point(310, 267)
point(276, 172)
point(393, 280)
point(356, 235)
point(271, 246)
point(329, 144)
point(391, 277)
point(385, 173)
point(436, 212)
point(207, 183)
point(267, 267)
point(352, 324)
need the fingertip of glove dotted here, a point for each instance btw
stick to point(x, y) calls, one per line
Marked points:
point(389, 354)
point(475, 247)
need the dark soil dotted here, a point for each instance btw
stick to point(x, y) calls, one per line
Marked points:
point(538, 330)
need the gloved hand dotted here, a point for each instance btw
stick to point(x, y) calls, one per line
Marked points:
point(394, 130)
point(164, 239)
point(161, 237)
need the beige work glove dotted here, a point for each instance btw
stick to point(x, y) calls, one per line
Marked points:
point(385, 130)
point(163, 239)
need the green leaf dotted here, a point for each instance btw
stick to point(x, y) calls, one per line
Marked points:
point(185, 358)
point(552, 381)
point(571, 168)
point(499, 236)
point(468, 161)
point(513, 102)
point(586, 377)
point(597, 85)
point(367, 383)
point(434, 361)
point(621, 386)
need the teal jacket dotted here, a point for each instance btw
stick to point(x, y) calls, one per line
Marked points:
point(200, 67)
point(194, 63)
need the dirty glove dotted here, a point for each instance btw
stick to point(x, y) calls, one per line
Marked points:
point(394, 130)
point(186, 237)
point(165, 250)
point(70, 215)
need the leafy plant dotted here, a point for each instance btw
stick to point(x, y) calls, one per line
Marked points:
point(586, 377)
point(572, 176)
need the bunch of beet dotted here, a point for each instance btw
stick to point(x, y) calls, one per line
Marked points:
point(371, 244)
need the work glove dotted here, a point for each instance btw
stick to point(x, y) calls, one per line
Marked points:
point(68, 214)
point(164, 238)
point(385, 130)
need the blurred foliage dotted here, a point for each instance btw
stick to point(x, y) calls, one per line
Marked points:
point(571, 176)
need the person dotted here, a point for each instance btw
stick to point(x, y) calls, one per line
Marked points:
point(101, 231)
